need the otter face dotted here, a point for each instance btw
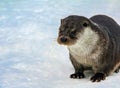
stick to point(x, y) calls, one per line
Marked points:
point(71, 28)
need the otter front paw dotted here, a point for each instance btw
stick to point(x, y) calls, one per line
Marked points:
point(98, 77)
point(77, 75)
point(117, 70)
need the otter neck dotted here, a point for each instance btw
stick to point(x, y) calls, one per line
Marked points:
point(86, 43)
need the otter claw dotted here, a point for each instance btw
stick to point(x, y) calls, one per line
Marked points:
point(98, 77)
point(117, 70)
point(77, 75)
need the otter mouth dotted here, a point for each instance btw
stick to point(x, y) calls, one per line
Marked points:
point(66, 41)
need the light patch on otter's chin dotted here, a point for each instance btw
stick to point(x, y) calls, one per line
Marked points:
point(87, 41)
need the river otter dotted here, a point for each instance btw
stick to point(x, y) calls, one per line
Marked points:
point(93, 43)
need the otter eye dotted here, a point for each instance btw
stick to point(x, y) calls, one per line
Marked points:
point(85, 24)
point(73, 33)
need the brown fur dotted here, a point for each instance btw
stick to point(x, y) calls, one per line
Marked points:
point(108, 45)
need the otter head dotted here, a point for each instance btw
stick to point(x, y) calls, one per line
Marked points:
point(71, 28)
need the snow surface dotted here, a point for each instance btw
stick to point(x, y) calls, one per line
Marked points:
point(29, 54)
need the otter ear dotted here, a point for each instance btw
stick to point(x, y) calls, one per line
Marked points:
point(61, 20)
point(85, 24)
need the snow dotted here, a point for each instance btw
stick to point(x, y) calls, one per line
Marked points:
point(30, 57)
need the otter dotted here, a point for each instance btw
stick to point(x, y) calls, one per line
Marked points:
point(93, 44)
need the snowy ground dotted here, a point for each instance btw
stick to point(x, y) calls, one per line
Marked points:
point(29, 54)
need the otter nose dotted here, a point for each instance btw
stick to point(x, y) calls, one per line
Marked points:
point(64, 39)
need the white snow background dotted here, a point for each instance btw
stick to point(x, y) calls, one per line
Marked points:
point(29, 54)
